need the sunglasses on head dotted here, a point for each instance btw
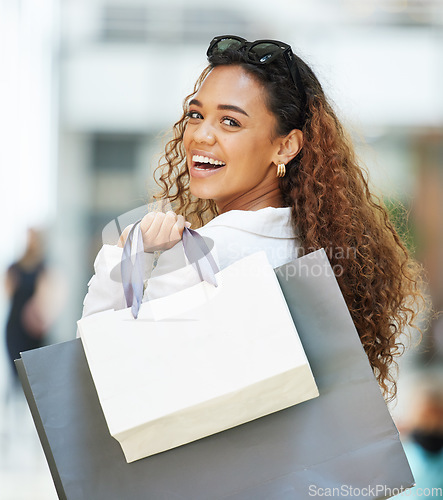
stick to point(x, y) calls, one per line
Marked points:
point(258, 52)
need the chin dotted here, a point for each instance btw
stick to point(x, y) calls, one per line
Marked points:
point(200, 192)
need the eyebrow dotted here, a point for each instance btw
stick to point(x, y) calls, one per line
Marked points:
point(228, 107)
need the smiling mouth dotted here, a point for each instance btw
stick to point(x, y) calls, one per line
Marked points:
point(205, 163)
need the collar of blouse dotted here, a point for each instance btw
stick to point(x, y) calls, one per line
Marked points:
point(269, 221)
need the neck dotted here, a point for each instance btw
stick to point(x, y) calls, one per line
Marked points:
point(30, 260)
point(260, 197)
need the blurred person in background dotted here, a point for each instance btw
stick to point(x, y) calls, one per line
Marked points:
point(428, 226)
point(421, 426)
point(35, 298)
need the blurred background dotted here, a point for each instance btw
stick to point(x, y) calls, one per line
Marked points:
point(88, 90)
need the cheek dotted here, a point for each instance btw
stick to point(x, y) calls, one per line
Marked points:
point(186, 135)
point(237, 149)
point(256, 152)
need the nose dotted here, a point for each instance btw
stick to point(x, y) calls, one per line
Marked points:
point(204, 133)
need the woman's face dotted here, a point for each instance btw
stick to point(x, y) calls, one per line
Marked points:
point(228, 139)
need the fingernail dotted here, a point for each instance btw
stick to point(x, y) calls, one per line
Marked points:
point(187, 224)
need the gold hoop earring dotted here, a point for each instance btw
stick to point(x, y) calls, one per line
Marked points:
point(281, 170)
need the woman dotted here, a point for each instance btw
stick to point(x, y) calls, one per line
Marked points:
point(259, 161)
point(25, 282)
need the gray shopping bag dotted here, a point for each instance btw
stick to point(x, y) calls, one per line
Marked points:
point(341, 444)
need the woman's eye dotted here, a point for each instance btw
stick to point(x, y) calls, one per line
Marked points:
point(230, 121)
point(193, 114)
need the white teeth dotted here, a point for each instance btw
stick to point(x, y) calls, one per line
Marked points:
point(205, 159)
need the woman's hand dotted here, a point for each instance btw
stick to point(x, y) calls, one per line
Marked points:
point(160, 231)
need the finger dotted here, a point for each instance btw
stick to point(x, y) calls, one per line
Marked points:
point(150, 235)
point(155, 226)
point(166, 227)
point(146, 222)
point(180, 224)
point(177, 229)
point(187, 224)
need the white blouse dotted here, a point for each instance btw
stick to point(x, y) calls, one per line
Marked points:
point(230, 236)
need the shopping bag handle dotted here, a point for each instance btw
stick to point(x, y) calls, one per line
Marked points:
point(132, 269)
point(199, 255)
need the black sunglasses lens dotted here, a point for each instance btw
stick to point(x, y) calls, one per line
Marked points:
point(226, 44)
point(264, 52)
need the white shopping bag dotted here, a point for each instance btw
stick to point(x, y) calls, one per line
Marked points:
point(197, 362)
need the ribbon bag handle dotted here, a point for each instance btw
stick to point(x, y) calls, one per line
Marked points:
point(132, 263)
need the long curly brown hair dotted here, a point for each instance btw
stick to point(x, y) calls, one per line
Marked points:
point(332, 208)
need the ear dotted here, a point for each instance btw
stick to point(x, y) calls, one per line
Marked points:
point(289, 147)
